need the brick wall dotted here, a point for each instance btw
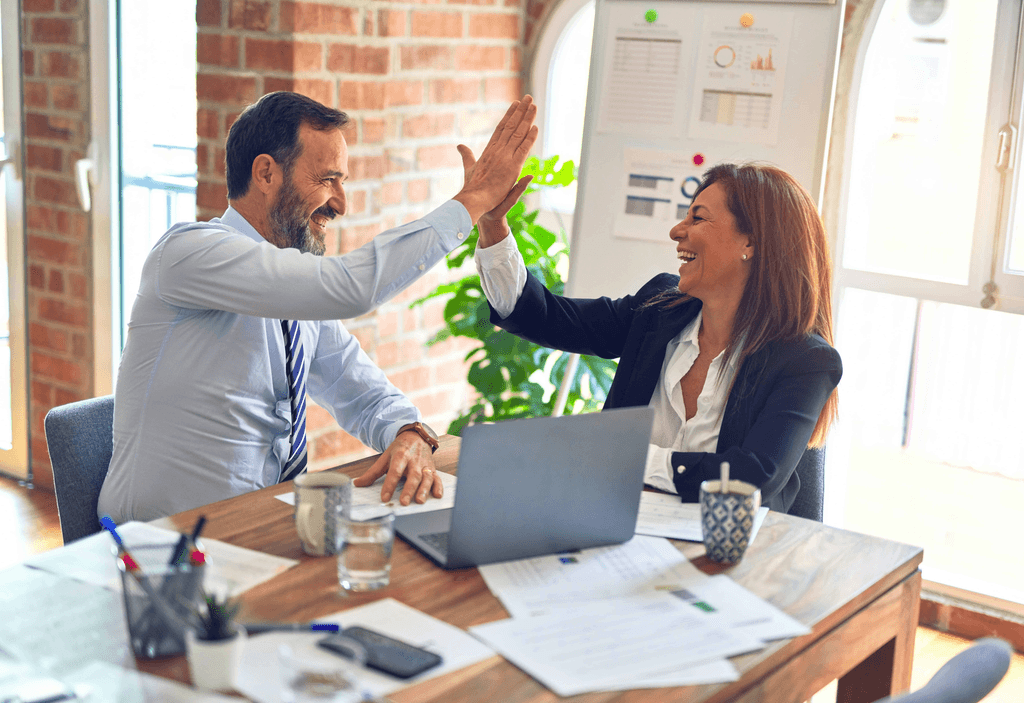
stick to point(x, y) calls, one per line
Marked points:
point(417, 79)
point(58, 243)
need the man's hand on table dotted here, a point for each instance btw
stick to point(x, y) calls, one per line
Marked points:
point(409, 456)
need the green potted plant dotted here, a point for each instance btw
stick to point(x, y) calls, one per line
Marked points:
point(515, 378)
point(214, 645)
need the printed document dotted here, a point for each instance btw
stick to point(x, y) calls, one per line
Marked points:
point(612, 643)
point(366, 500)
point(732, 607)
point(662, 515)
point(230, 569)
point(56, 624)
point(640, 566)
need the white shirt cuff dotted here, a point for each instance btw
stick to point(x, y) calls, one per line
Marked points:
point(502, 274)
point(658, 472)
point(452, 222)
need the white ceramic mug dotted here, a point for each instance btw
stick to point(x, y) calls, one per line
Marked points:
point(317, 499)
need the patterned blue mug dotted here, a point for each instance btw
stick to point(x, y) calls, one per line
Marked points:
point(727, 519)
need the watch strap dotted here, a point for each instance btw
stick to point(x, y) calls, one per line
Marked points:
point(423, 431)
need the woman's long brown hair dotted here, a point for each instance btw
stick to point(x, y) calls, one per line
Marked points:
point(789, 292)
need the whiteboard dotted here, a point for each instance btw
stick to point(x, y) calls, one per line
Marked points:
point(676, 87)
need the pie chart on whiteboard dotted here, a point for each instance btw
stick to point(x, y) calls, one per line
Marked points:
point(725, 55)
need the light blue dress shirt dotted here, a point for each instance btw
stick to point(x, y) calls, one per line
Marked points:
point(201, 410)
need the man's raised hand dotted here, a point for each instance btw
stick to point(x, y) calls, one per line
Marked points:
point(491, 178)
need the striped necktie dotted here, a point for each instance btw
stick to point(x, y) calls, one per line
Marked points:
point(296, 463)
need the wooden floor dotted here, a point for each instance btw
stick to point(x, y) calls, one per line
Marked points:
point(29, 516)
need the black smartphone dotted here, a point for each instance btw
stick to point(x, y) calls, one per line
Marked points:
point(383, 653)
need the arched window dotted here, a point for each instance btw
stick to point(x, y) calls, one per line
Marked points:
point(560, 72)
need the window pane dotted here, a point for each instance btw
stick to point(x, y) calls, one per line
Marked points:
point(1015, 255)
point(158, 146)
point(567, 101)
point(918, 137)
point(929, 435)
point(6, 429)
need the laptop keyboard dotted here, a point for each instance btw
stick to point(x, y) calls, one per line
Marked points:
point(437, 540)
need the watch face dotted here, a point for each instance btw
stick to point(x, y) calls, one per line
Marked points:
point(429, 429)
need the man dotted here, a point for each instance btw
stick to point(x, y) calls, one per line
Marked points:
point(237, 319)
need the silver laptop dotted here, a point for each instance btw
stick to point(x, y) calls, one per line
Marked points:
point(539, 486)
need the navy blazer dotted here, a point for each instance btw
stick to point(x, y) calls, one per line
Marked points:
point(772, 408)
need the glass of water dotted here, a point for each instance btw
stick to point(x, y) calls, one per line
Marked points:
point(321, 677)
point(365, 541)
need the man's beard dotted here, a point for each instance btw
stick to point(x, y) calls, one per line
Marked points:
point(291, 224)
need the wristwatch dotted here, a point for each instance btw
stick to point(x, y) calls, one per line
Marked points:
point(424, 431)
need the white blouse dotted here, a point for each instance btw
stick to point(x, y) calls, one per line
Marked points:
point(503, 277)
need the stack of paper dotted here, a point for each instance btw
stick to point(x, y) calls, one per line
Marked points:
point(636, 615)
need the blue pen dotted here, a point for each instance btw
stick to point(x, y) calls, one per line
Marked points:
point(135, 571)
point(257, 628)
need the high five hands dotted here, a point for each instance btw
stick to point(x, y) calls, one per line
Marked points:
point(491, 187)
point(492, 181)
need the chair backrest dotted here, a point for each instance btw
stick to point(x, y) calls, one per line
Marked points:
point(810, 500)
point(80, 437)
point(966, 678)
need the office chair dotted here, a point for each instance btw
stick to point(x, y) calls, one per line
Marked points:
point(966, 678)
point(810, 500)
point(80, 437)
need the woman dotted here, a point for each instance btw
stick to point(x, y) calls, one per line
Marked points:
point(734, 354)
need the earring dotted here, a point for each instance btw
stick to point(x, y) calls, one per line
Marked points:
point(744, 257)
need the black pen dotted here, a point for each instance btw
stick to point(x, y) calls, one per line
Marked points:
point(179, 550)
point(258, 628)
point(197, 529)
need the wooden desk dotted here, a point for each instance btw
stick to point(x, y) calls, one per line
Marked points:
point(859, 594)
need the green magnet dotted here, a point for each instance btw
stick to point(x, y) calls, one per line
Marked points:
point(651, 15)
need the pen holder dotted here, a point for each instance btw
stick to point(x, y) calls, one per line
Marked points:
point(161, 601)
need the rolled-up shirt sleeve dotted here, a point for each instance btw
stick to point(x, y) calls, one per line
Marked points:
point(502, 274)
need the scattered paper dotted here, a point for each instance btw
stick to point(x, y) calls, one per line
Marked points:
point(715, 671)
point(113, 684)
point(366, 500)
point(641, 565)
point(230, 569)
point(259, 677)
point(662, 515)
point(66, 624)
point(731, 606)
point(611, 644)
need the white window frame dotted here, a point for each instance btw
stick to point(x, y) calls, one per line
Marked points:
point(15, 461)
point(990, 239)
point(992, 209)
point(100, 164)
point(549, 37)
point(1010, 155)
